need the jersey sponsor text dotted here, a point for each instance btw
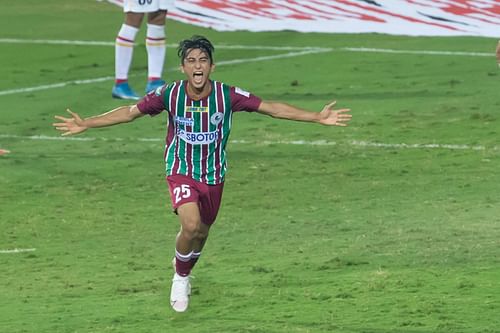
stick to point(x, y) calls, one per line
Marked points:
point(198, 138)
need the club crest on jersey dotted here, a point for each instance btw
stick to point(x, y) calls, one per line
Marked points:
point(198, 138)
point(184, 121)
point(216, 118)
point(189, 108)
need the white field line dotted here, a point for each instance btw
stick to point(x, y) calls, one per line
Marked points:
point(112, 43)
point(54, 85)
point(354, 143)
point(109, 78)
point(16, 251)
point(419, 52)
point(299, 52)
point(254, 47)
point(272, 57)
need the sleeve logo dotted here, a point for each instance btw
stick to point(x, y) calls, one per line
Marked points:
point(241, 92)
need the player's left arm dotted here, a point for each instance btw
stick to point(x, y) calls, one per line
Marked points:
point(327, 116)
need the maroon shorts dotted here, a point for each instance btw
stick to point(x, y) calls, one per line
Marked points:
point(184, 189)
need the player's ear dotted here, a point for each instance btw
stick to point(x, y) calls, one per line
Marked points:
point(181, 67)
point(212, 68)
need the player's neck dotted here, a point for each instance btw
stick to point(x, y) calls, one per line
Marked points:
point(198, 93)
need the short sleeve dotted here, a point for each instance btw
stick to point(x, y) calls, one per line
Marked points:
point(242, 100)
point(153, 103)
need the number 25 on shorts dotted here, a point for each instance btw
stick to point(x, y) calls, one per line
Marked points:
point(182, 192)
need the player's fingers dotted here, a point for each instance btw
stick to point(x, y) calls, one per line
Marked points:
point(330, 105)
point(344, 116)
point(61, 128)
point(62, 118)
point(343, 110)
point(66, 133)
point(74, 114)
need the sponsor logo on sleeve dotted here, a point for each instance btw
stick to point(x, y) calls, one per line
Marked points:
point(198, 138)
point(241, 92)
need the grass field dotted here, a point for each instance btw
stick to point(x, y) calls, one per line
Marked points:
point(389, 225)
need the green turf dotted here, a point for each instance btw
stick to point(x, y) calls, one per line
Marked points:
point(337, 238)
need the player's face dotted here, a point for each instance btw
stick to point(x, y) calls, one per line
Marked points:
point(197, 67)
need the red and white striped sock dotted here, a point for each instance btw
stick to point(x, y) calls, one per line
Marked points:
point(155, 45)
point(124, 48)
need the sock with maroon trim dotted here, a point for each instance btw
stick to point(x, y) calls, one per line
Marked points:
point(155, 46)
point(194, 258)
point(124, 48)
point(183, 263)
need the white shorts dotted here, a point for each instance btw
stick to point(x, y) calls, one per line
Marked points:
point(146, 6)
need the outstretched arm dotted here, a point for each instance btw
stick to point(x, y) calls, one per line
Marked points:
point(327, 116)
point(76, 124)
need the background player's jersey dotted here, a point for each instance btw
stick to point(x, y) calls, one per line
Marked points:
point(198, 130)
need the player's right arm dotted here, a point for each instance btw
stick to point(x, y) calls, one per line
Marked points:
point(75, 124)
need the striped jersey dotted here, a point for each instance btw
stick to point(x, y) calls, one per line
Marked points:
point(198, 130)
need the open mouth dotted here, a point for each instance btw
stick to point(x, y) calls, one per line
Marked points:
point(198, 77)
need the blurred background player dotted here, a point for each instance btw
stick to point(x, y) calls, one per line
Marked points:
point(498, 54)
point(156, 11)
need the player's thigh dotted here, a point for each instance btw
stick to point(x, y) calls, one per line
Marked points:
point(146, 6)
point(210, 200)
point(157, 18)
point(183, 189)
point(190, 218)
point(133, 19)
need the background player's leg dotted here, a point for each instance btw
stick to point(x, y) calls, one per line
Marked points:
point(155, 46)
point(498, 54)
point(124, 49)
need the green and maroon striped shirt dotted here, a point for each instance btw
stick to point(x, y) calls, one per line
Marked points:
point(198, 130)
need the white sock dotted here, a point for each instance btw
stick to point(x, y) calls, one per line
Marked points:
point(155, 45)
point(124, 48)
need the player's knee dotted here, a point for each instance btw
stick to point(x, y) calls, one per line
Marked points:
point(157, 18)
point(191, 228)
point(202, 234)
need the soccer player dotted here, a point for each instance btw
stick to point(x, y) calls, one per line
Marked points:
point(498, 54)
point(200, 112)
point(155, 44)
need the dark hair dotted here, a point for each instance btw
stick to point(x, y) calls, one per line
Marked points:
point(195, 42)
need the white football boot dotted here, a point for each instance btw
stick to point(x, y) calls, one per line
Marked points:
point(179, 294)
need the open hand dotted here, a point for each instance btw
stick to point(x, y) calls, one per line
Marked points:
point(329, 116)
point(70, 126)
